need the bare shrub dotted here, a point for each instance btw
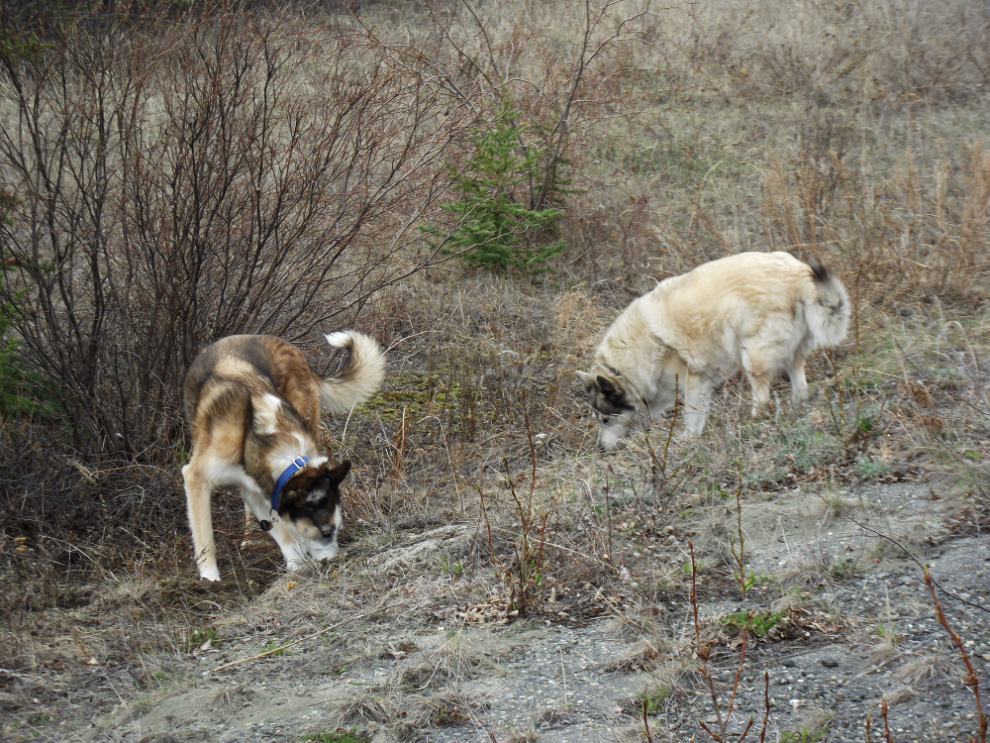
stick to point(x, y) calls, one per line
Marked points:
point(180, 182)
point(524, 573)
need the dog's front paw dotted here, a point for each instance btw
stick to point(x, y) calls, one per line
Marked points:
point(210, 573)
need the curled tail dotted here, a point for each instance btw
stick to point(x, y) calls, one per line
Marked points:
point(828, 315)
point(360, 377)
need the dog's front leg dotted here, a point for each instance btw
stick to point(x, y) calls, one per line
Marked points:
point(287, 542)
point(256, 504)
point(198, 493)
point(697, 390)
point(799, 382)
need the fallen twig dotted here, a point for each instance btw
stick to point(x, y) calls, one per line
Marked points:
point(646, 723)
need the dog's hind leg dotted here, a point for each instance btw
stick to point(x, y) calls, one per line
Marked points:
point(198, 492)
point(760, 383)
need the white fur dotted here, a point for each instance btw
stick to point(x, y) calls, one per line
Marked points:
point(762, 312)
point(339, 338)
point(828, 324)
point(266, 413)
point(359, 379)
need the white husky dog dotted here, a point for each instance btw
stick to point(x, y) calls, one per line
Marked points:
point(764, 312)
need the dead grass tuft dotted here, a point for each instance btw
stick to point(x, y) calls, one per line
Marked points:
point(931, 668)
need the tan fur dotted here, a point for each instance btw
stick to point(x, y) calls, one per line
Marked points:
point(763, 312)
point(253, 405)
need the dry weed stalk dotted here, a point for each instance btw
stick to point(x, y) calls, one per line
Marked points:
point(658, 467)
point(646, 722)
point(740, 558)
point(766, 704)
point(855, 436)
point(524, 575)
point(703, 652)
point(886, 724)
point(971, 679)
point(399, 440)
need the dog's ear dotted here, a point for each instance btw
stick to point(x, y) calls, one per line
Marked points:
point(612, 393)
point(338, 473)
point(588, 380)
point(608, 388)
point(323, 485)
point(313, 488)
point(317, 491)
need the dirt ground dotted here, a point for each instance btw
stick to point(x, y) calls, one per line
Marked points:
point(424, 669)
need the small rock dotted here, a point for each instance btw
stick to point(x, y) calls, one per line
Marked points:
point(830, 663)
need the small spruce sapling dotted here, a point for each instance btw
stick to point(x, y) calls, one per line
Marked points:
point(494, 230)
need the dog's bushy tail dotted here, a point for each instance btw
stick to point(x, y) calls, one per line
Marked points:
point(828, 316)
point(360, 377)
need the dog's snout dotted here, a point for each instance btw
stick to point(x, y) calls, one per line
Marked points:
point(609, 441)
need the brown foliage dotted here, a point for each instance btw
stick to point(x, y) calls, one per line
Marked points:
point(179, 182)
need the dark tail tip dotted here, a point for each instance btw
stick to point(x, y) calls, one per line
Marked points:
point(820, 272)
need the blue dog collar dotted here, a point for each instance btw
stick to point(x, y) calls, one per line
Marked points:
point(297, 464)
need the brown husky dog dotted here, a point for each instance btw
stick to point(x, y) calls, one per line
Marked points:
point(253, 404)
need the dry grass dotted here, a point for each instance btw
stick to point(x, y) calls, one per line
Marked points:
point(854, 132)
